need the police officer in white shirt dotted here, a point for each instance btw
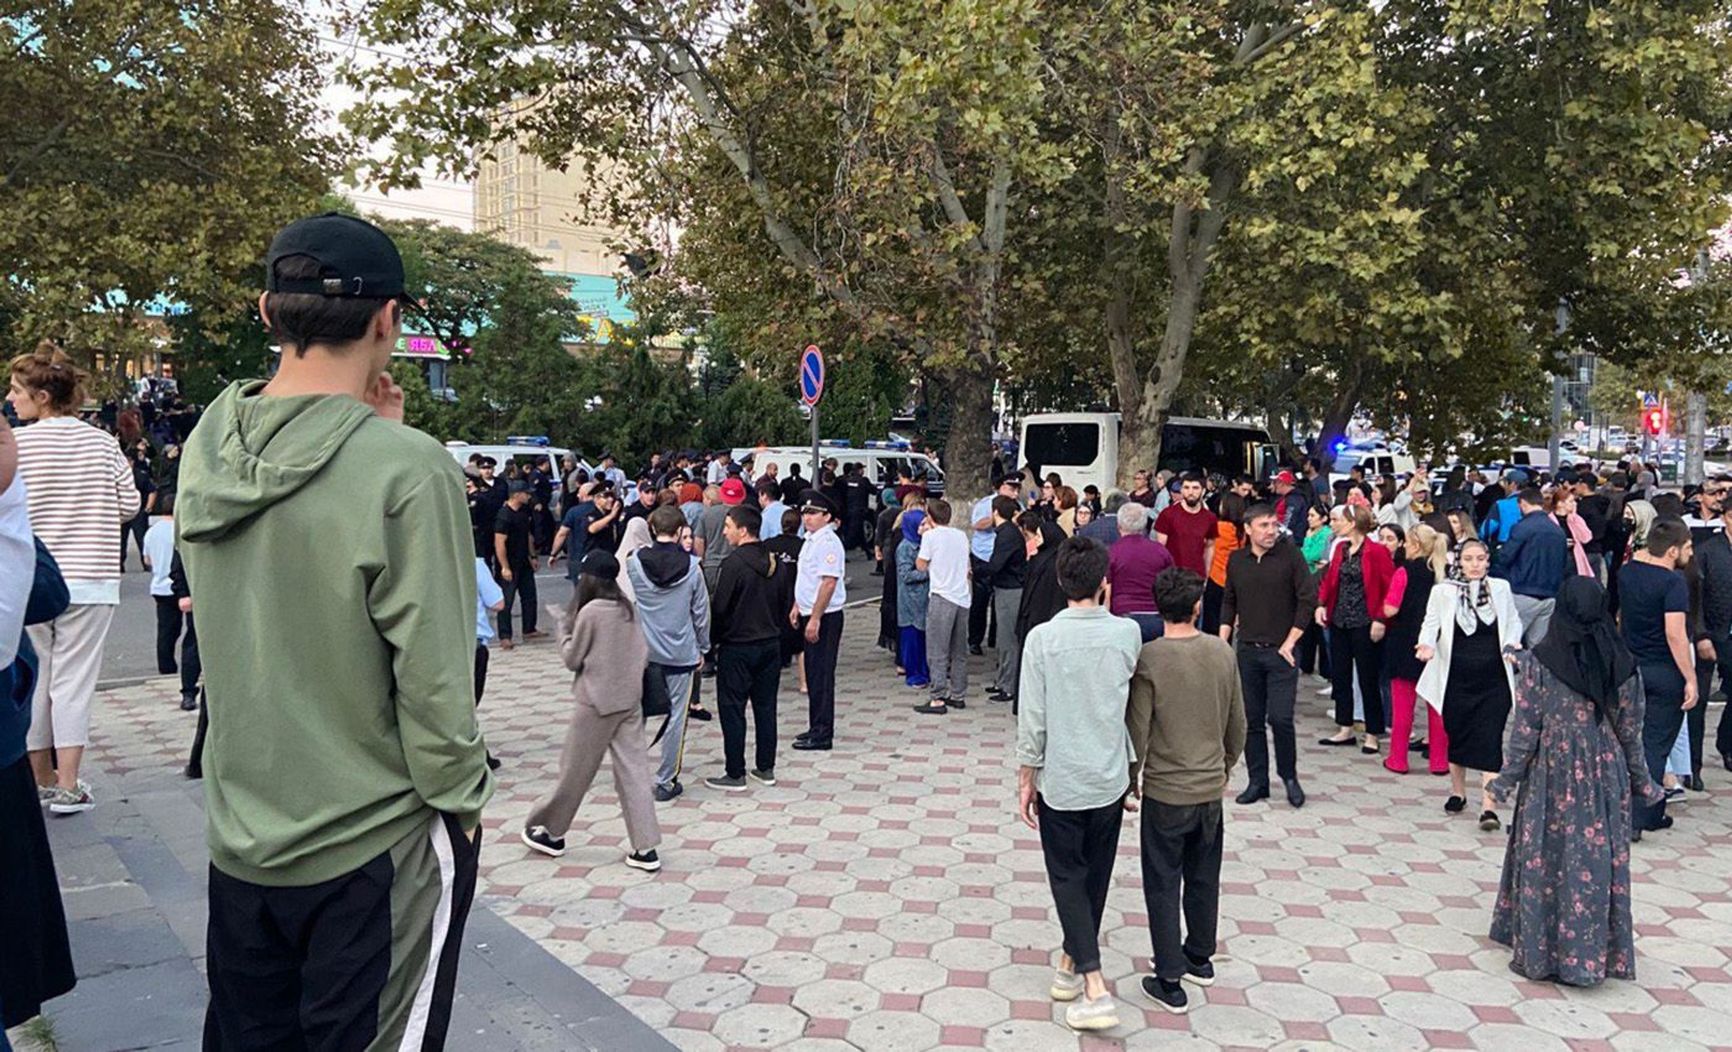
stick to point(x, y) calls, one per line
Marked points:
point(820, 589)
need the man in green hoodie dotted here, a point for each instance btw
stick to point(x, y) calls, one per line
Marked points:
point(330, 550)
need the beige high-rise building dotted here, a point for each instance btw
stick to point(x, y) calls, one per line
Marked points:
point(525, 202)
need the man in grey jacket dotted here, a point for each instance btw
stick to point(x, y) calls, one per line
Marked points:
point(674, 609)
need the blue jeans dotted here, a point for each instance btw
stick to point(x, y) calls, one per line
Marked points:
point(1150, 625)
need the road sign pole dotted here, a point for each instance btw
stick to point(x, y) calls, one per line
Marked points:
point(816, 462)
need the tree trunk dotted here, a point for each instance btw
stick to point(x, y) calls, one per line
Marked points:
point(968, 447)
point(1339, 413)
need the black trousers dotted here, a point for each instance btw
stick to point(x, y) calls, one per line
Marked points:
point(344, 964)
point(821, 675)
point(522, 584)
point(749, 672)
point(480, 672)
point(980, 603)
point(170, 623)
point(1210, 621)
point(1662, 717)
point(1271, 685)
point(1697, 718)
point(1181, 877)
point(1079, 847)
point(1352, 651)
point(1313, 652)
point(36, 965)
point(135, 528)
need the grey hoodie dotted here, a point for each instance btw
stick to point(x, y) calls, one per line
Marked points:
point(672, 603)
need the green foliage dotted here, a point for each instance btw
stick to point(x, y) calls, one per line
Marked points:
point(204, 364)
point(150, 150)
point(1345, 205)
point(749, 413)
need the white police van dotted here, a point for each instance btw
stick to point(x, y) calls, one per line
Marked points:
point(524, 451)
point(884, 462)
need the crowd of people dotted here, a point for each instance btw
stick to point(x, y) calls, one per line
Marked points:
point(1560, 631)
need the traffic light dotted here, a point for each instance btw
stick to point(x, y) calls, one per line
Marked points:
point(1654, 421)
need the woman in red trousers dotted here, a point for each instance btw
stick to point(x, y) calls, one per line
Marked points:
point(1424, 563)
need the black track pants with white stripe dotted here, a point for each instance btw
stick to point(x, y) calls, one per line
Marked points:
point(366, 961)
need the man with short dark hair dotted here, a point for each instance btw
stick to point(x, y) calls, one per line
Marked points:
point(1187, 728)
point(1534, 560)
point(1268, 602)
point(1187, 529)
point(344, 771)
point(771, 506)
point(1073, 764)
point(820, 593)
point(982, 539)
point(587, 525)
point(944, 558)
point(645, 503)
point(748, 619)
point(514, 554)
point(1654, 602)
point(1009, 555)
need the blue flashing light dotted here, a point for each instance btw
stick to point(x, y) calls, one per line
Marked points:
point(527, 440)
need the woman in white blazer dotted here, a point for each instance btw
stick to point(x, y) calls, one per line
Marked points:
point(1470, 627)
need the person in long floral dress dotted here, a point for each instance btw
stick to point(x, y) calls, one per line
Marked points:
point(1575, 752)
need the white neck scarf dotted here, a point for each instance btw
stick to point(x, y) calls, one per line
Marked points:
point(1473, 605)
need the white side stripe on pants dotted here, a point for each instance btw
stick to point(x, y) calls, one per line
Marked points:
point(415, 1032)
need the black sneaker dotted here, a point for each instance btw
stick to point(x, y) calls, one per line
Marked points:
point(189, 703)
point(664, 793)
point(1166, 993)
point(492, 763)
point(762, 777)
point(974, 648)
point(537, 838)
point(1488, 821)
point(1696, 785)
point(1455, 805)
point(1663, 822)
point(726, 784)
point(701, 715)
point(955, 703)
point(644, 860)
point(194, 772)
point(1199, 972)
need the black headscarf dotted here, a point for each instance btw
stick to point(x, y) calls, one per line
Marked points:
point(1582, 648)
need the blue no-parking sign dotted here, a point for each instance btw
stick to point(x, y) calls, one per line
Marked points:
point(811, 375)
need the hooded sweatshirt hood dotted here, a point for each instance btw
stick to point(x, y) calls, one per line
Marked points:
point(665, 563)
point(264, 449)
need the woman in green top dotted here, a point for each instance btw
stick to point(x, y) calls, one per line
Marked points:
point(1318, 535)
point(1313, 656)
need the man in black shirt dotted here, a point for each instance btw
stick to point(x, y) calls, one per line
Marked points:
point(1595, 508)
point(516, 560)
point(1009, 558)
point(748, 631)
point(1271, 594)
point(644, 504)
point(856, 507)
point(794, 487)
point(1655, 607)
point(1713, 561)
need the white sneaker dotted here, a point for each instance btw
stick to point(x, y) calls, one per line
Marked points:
point(45, 793)
point(1098, 1014)
point(1066, 986)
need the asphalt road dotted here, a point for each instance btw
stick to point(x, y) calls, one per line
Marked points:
point(130, 654)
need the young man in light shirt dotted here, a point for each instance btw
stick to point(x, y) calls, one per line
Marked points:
point(944, 557)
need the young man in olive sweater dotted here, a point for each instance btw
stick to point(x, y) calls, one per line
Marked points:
point(1187, 724)
point(330, 551)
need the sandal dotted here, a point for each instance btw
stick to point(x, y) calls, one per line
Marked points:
point(1455, 805)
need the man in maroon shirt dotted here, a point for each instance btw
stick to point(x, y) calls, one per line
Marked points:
point(1187, 528)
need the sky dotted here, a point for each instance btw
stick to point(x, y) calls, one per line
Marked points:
point(439, 198)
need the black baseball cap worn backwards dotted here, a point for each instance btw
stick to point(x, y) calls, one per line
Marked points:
point(356, 259)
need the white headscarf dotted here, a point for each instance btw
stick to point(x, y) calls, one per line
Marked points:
point(1473, 605)
point(637, 535)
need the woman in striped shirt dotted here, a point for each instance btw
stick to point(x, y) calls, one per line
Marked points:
point(80, 489)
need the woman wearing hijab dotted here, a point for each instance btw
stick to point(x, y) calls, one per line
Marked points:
point(911, 601)
point(888, 538)
point(637, 535)
point(1469, 626)
point(1575, 753)
point(1041, 596)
